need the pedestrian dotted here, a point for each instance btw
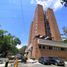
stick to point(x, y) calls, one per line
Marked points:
point(16, 62)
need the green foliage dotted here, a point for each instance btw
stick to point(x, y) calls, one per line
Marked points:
point(65, 34)
point(8, 43)
point(65, 41)
point(14, 50)
point(22, 50)
point(16, 41)
point(64, 2)
point(65, 31)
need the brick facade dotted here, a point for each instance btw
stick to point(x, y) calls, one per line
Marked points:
point(53, 25)
point(44, 24)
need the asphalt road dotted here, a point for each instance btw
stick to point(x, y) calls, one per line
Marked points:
point(35, 65)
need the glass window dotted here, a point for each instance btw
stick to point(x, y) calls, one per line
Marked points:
point(56, 48)
point(62, 49)
point(50, 47)
point(43, 46)
point(40, 46)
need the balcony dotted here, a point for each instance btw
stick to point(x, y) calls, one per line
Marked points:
point(52, 43)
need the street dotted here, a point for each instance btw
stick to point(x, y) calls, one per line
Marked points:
point(35, 65)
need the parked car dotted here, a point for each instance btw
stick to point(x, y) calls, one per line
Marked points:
point(56, 61)
point(44, 60)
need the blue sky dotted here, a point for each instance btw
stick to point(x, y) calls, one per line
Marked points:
point(17, 15)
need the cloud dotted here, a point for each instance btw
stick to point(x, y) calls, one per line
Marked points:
point(54, 4)
point(19, 46)
point(57, 5)
point(32, 1)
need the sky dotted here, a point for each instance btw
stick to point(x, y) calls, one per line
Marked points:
point(16, 16)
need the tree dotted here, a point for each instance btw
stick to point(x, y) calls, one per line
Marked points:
point(65, 34)
point(64, 2)
point(16, 41)
point(8, 43)
point(65, 31)
point(22, 50)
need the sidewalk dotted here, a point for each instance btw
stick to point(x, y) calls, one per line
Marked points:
point(3, 65)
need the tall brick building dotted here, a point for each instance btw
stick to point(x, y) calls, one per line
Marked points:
point(45, 37)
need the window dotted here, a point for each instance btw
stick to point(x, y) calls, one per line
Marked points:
point(65, 49)
point(43, 46)
point(50, 47)
point(55, 48)
point(62, 49)
point(40, 46)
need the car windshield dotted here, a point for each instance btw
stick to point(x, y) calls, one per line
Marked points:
point(46, 58)
point(57, 58)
